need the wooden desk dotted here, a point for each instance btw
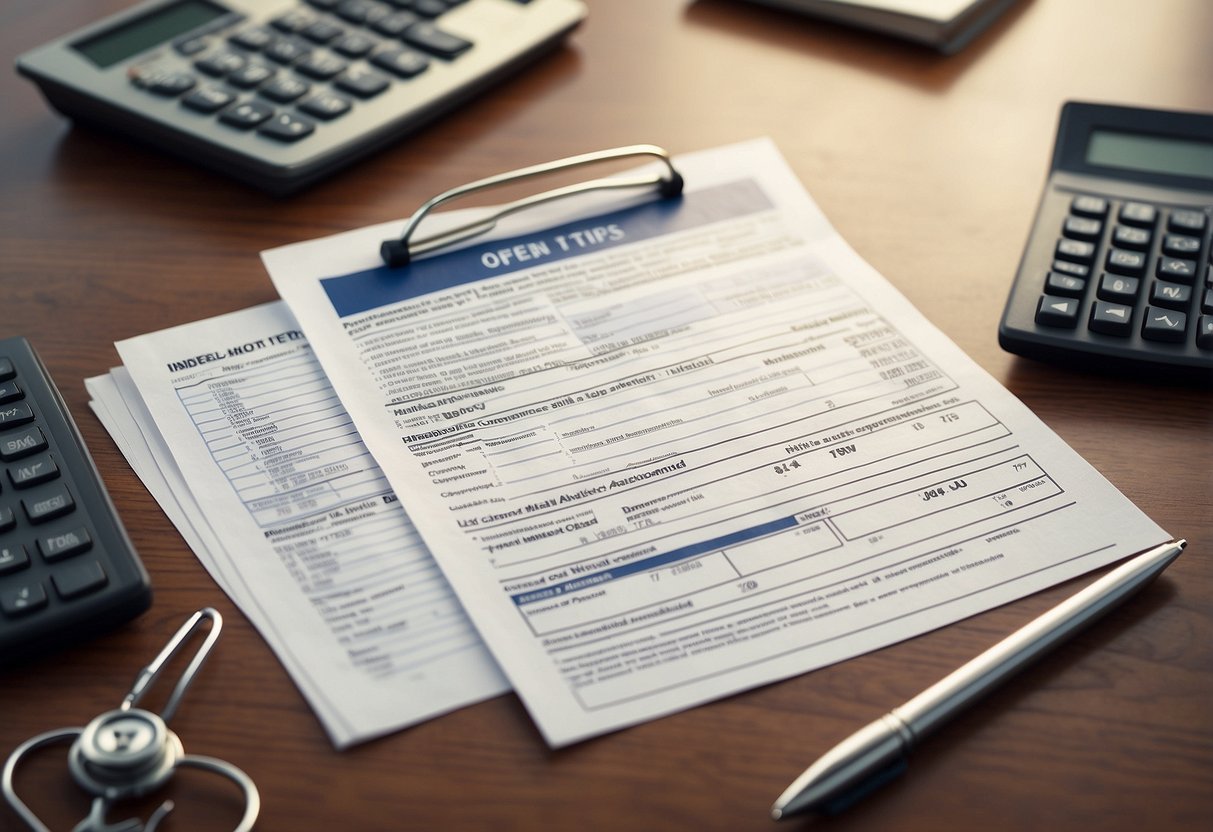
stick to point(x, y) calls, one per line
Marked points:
point(929, 166)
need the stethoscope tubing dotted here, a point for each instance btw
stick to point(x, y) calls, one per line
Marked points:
point(252, 797)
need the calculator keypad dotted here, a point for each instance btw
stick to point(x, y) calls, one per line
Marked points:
point(313, 63)
point(34, 492)
point(66, 568)
point(1130, 268)
point(376, 70)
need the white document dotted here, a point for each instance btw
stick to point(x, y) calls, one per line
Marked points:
point(118, 406)
point(669, 450)
point(280, 498)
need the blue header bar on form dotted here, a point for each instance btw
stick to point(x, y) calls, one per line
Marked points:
point(363, 291)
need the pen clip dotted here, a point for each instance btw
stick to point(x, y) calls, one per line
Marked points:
point(400, 251)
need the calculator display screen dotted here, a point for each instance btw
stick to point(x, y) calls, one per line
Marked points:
point(1150, 154)
point(156, 27)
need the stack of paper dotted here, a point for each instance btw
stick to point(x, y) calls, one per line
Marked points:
point(947, 25)
point(235, 430)
point(663, 451)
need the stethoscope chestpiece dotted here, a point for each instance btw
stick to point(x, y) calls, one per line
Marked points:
point(130, 752)
point(124, 753)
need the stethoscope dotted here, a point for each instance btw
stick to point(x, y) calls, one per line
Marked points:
point(130, 752)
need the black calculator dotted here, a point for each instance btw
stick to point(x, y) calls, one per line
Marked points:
point(67, 568)
point(1117, 274)
point(281, 93)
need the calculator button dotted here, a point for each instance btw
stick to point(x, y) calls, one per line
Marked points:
point(1064, 284)
point(78, 579)
point(285, 51)
point(1171, 295)
point(1111, 318)
point(1126, 262)
point(58, 547)
point(1056, 311)
point(192, 46)
point(23, 599)
point(13, 558)
point(322, 31)
point(361, 11)
point(1126, 236)
point(220, 64)
point(7, 518)
point(10, 391)
point(402, 62)
point(46, 508)
point(22, 443)
point(1187, 221)
point(435, 41)
point(326, 106)
point(1117, 288)
point(1206, 303)
point(247, 115)
point(250, 76)
point(208, 99)
point(287, 128)
point(1177, 245)
point(394, 24)
point(168, 84)
point(361, 83)
point(429, 8)
point(1082, 228)
point(33, 472)
point(1075, 250)
point(1089, 206)
point(1138, 213)
point(1172, 268)
point(283, 90)
point(292, 22)
point(7, 370)
point(1163, 325)
point(1076, 269)
point(1204, 332)
point(321, 67)
point(16, 413)
point(353, 45)
point(252, 39)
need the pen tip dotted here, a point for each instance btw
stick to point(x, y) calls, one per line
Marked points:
point(776, 813)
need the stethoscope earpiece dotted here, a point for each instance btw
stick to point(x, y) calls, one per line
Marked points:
point(130, 752)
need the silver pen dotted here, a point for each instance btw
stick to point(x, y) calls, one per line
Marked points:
point(876, 753)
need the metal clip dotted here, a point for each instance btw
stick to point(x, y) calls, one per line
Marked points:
point(129, 752)
point(399, 252)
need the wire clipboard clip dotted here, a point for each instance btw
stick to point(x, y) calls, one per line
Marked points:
point(399, 252)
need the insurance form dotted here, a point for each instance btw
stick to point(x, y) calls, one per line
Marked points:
point(666, 450)
point(301, 527)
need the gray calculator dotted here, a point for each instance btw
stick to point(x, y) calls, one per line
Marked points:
point(280, 93)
